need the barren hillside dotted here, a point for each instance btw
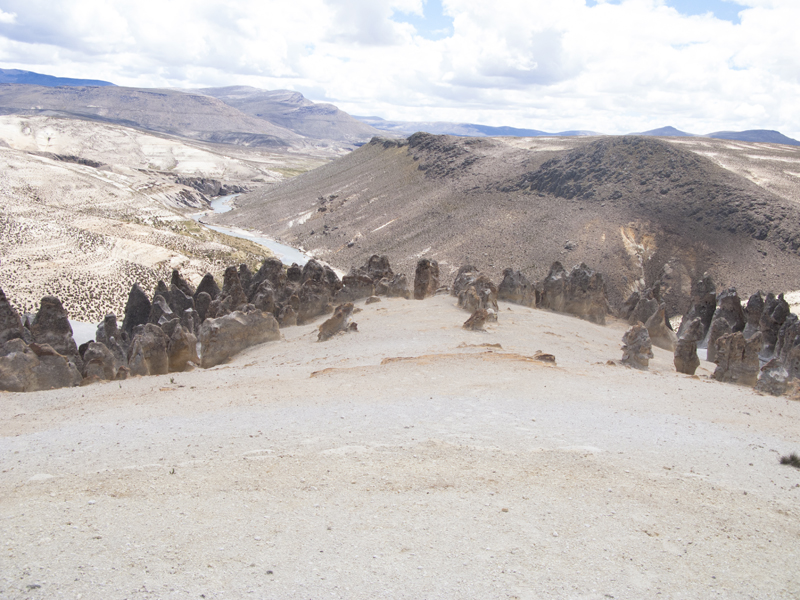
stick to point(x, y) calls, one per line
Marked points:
point(627, 206)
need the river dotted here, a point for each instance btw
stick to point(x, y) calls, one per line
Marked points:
point(223, 204)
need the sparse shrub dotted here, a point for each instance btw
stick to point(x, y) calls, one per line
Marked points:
point(792, 460)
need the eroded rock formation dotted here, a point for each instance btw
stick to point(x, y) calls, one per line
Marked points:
point(685, 357)
point(226, 336)
point(426, 278)
point(637, 349)
point(737, 359)
point(581, 292)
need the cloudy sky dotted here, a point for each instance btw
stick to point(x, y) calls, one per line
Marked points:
point(613, 66)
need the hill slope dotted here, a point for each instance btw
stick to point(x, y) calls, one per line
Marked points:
point(295, 112)
point(193, 116)
point(634, 208)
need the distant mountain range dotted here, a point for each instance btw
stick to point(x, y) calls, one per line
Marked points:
point(31, 78)
point(253, 117)
point(473, 130)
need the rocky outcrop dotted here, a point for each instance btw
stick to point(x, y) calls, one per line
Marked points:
point(10, 323)
point(475, 291)
point(661, 335)
point(704, 303)
point(99, 363)
point(774, 378)
point(148, 351)
point(160, 312)
point(226, 336)
point(356, 285)
point(737, 359)
point(685, 357)
point(137, 311)
point(640, 306)
point(729, 306)
point(637, 349)
point(208, 285)
point(51, 327)
point(33, 368)
point(394, 287)
point(581, 292)
point(719, 327)
point(477, 320)
point(181, 346)
point(426, 278)
point(775, 312)
point(339, 321)
point(516, 288)
point(752, 315)
point(180, 283)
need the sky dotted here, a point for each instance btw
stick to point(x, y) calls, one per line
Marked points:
point(612, 66)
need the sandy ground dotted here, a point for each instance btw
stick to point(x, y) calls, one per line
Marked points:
point(412, 459)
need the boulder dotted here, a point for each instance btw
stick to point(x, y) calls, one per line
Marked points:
point(737, 359)
point(181, 346)
point(377, 268)
point(137, 311)
point(99, 362)
point(180, 283)
point(339, 321)
point(477, 320)
point(581, 292)
point(355, 286)
point(34, 368)
point(315, 299)
point(148, 351)
point(202, 303)
point(264, 297)
point(179, 301)
point(394, 287)
point(160, 312)
point(51, 326)
point(475, 290)
point(685, 358)
point(729, 306)
point(426, 278)
point(108, 328)
point(287, 316)
point(272, 271)
point(10, 323)
point(775, 312)
point(224, 337)
point(372, 300)
point(208, 285)
point(704, 303)
point(719, 327)
point(637, 349)
point(752, 315)
point(516, 288)
point(661, 335)
point(774, 378)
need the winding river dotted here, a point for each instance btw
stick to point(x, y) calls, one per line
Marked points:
point(286, 254)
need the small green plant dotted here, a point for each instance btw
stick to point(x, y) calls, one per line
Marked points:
point(172, 380)
point(792, 460)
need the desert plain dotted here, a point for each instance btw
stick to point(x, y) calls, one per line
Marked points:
point(410, 459)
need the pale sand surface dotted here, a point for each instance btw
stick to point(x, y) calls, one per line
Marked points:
point(324, 470)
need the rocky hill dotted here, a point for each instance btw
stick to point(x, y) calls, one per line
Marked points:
point(635, 208)
point(293, 111)
point(193, 116)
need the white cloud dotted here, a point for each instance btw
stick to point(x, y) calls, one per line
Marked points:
point(630, 66)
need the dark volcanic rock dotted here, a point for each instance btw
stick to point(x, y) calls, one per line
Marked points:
point(729, 305)
point(685, 358)
point(264, 297)
point(776, 310)
point(33, 368)
point(704, 303)
point(222, 338)
point(637, 349)
point(160, 312)
point(661, 335)
point(202, 302)
point(207, 285)
point(181, 347)
point(148, 351)
point(180, 283)
point(355, 286)
point(516, 288)
point(719, 327)
point(315, 298)
point(477, 320)
point(394, 287)
point(737, 359)
point(99, 362)
point(339, 321)
point(272, 271)
point(581, 293)
point(752, 312)
point(180, 301)
point(287, 316)
point(51, 326)
point(426, 278)
point(10, 323)
point(137, 310)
